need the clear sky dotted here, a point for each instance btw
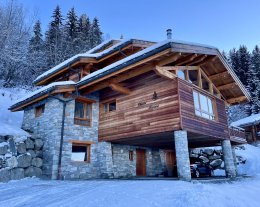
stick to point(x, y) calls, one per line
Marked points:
point(221, 23)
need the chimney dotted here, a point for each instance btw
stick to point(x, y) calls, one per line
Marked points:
point(169, 34)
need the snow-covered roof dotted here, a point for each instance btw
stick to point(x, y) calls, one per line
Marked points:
point(250, 120)
point(88, 54)
point(102, 45)
point(136, 56)
point(41, 91)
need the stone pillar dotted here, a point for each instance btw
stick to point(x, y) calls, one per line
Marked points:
point(105, 160)
point(182, 155)
point(228, 159)
point(235, 159)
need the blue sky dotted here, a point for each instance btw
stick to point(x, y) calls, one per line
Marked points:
point(221, 23)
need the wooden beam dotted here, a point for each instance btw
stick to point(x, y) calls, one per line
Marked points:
point(119, 88)
point(237, 99)
point(219, 75)
point(208, 59)
point(197, 60)
point(127, 68)
point(226, 86)
point(185, 60)
point(124, 76)
point(199, 78)
point(169, 59)
point(164, 73)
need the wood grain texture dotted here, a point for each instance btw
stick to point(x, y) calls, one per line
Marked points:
point(192, 123)
point(140, 113)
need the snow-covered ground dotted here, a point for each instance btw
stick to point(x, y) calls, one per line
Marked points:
point(119, 193)
point(10, 122)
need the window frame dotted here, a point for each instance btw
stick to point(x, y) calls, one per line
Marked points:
point(107, 104)
point(39, 110)
point(200, 110)
point(85, 103)
point(86, 144)
point(131, 155)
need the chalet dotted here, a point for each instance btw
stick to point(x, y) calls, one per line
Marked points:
point(132, 107)
point(251, 126)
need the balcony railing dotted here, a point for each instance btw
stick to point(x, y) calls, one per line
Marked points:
point(237, 134)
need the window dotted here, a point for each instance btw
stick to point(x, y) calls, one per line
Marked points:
point(80, 152)
point(109, 106)
point(131, 155)
point(39, 110)
point(203, 106)
point(181, 74)
point(83, 113)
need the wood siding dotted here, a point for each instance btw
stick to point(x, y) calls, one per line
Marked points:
point(140, 113)
point(192, 123)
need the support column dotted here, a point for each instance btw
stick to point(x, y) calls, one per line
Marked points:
point(182, 155)
point(228, 159)
point(235, 159)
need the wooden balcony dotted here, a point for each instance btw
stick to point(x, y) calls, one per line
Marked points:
point(237, 135)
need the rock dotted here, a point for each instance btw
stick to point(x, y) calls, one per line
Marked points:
point(32, 153)
point(204, 159)
point(194, 155)
point(29, 172)
point(21, 148)
point(37, 171)
point(3, 148)
point(1, 163)
point(12, 162)
point(216, 163)
point(4, 175)
point(218, 151)
point(195, 151)
point(39, 153)
point(17, 174)
point(32, 171)
point(209, 151)
point(38, 144)
point(29, 144)
point(24, 160)
point(214, 157)
point(37, 162)
point(2, 138)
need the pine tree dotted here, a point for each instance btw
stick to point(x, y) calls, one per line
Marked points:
point(244, 64)
point(96, 34)
point(84, 33)
point(72, 38)
point(54, 39)
point(36, 54)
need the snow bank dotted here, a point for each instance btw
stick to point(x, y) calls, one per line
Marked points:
point(10, 122)
point(252, 156)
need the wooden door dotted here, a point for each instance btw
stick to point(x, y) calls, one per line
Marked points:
point(140, 162)
point(170, 162)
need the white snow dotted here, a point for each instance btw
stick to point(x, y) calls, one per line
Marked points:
point(252, 156)
point(253, 119)
point(10, 122)
point(43, 89)
point(120, 193)
point(100, 46)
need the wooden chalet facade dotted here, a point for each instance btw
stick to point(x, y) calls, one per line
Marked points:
point(145, 94)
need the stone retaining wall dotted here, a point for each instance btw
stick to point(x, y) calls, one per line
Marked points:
point(20, 157)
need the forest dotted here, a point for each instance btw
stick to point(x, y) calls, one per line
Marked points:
point(27, 51)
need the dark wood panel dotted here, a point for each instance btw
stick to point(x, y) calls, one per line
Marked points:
point(140, 162)
point(196, 124)
point(139, 113)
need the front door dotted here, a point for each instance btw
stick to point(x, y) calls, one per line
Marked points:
point(140, 162)
point(170, 162)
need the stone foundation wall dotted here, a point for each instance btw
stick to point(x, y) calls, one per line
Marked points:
point(124, 167)
point(20, 157)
